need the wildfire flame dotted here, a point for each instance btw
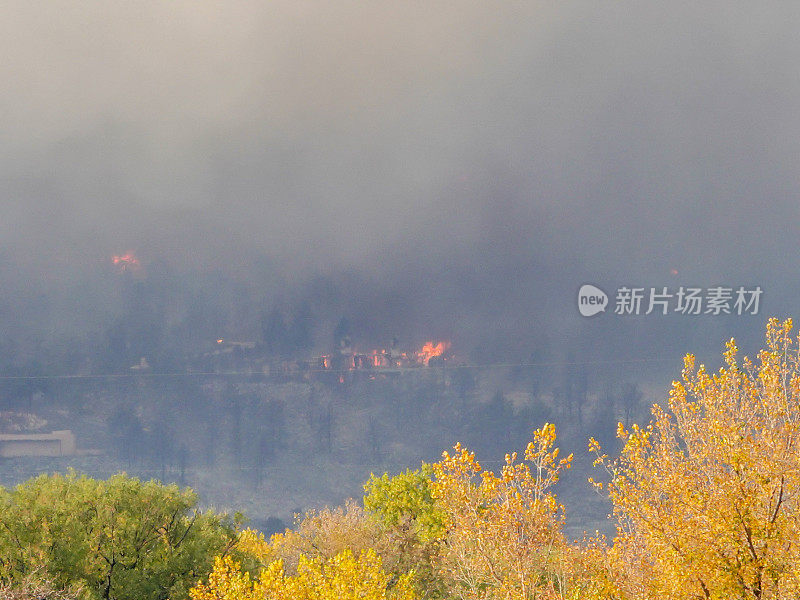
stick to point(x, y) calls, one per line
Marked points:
point(431, 350)
point(126, 262)
point(381, 359)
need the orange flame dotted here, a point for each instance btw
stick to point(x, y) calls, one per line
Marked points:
point(431, 350)
point(126, 262)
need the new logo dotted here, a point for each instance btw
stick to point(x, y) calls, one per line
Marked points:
point(591, 300)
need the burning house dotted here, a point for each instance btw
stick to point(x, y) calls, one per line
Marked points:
point(350, 360)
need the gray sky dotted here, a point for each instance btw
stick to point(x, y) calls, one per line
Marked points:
point(492, 156)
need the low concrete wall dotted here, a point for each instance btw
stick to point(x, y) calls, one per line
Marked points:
point(57, 443)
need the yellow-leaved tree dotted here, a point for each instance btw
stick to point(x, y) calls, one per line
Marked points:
point(342, 576)
point(503, 532)
point(707, 496)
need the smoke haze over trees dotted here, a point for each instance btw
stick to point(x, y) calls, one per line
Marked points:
point(300, 179)
point(447, 171)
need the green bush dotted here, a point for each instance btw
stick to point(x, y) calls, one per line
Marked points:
point(406, 497)
point(118, 539)
point(411, 525)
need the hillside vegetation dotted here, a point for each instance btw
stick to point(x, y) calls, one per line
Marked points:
point(705, 505)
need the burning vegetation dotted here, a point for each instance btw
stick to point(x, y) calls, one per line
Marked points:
point(126, 262)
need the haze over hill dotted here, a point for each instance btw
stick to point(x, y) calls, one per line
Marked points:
point(447, 170)
point(289, 175)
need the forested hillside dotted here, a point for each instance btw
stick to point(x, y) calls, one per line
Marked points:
point(704, 500)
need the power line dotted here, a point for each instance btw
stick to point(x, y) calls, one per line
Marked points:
point(376, 370)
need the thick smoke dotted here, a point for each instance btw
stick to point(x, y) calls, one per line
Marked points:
point(422, 170)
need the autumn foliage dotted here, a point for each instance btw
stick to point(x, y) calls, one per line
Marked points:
point(706, 495)
point(705, 500)
point(503, 532)
point(341, 577)
point(450, 530)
